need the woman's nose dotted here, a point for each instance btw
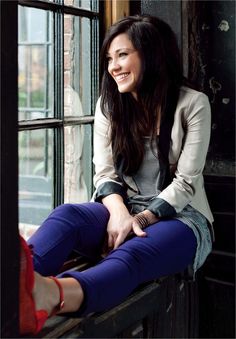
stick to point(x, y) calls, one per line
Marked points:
point(113, 66)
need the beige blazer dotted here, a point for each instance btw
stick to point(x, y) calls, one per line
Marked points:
point(188, 148)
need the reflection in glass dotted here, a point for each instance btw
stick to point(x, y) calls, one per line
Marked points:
point(77, 65)
point(78, 164)
point(35, 178)
point(35, 78)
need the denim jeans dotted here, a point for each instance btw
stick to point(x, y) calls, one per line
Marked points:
point(168, 248)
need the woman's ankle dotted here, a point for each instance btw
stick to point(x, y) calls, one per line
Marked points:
point(46, 294)
point(73, 295)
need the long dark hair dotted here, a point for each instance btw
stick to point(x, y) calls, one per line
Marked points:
point(157, 90)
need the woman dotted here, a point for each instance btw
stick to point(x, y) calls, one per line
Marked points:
point(149, 208)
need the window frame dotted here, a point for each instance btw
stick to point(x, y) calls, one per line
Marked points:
point(9, 171)
point(114, 10)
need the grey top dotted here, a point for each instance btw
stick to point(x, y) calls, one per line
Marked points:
point(147, 179)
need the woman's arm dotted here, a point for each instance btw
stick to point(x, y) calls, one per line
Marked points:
point(188, 175)
point(102, 158)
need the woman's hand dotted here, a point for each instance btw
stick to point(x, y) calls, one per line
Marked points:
point(142, 220)
point(119, 226)
point(120, 222)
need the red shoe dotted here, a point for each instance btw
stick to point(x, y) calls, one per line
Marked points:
point(31, 321)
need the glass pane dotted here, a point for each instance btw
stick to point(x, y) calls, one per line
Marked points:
point(86, 4)
point(77, 66)
point(35, 178)
point(35, 59)
point(78, 163)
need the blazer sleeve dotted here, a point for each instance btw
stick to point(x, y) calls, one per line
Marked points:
point(105, 180)
point(188, 175)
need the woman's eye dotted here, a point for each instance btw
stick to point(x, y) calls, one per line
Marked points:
point(122, 54)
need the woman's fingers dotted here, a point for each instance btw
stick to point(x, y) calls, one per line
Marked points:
point(138, 230)
point(120, 239)
point(116, 236)
point(110, 241)
point(114, 240)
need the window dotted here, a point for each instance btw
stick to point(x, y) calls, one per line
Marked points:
point(57, 92)
point(43, 120)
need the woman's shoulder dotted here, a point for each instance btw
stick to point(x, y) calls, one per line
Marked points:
point(191, 102)
point(188, 94)
point(99, 111)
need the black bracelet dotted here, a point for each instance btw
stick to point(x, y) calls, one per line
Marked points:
point(142, 220)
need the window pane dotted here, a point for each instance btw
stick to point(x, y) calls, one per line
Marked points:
point(35, 178)
point(78, 163)
point(77, 67)
point(86, 4)
point(35, 79)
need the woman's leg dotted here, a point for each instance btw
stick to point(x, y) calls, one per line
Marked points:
point(69, 226)
point(168, 248)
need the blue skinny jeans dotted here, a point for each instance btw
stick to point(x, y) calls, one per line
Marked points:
point(168, 248)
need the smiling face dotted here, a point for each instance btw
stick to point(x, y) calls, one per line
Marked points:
point(124, 64)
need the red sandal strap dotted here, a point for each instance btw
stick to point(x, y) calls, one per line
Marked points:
point(61, 304)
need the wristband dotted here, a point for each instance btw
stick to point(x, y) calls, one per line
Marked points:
point(142, 220)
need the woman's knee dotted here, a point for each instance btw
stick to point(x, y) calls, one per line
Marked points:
point(63, 209)
point(88, 213)
point(67, 211)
